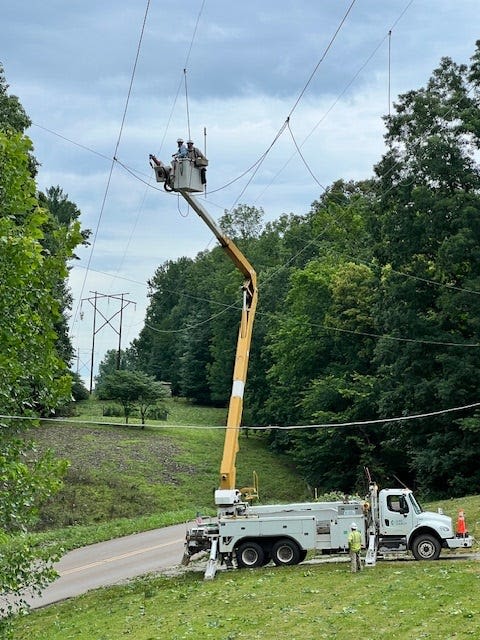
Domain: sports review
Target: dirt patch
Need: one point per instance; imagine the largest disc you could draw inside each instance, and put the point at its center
(122, 449)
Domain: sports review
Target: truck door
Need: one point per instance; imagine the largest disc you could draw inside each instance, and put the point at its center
(396, 516)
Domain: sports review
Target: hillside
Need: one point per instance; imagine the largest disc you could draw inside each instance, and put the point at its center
(170, 467)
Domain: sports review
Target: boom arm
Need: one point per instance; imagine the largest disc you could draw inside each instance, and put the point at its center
(235, 409)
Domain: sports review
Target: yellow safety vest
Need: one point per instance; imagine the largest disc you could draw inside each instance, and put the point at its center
(354, 540)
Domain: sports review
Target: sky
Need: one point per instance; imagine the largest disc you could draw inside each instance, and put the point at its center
(106, 83)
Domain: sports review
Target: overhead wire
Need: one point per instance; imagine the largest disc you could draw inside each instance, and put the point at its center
(115, 158)
(260, 161)
(257, 166)
(119, 137)
(322, 58)
(236, 307)
(286, 124)
(270, 427)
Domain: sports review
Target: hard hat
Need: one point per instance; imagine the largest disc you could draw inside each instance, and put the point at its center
(180, 140)
(189, 141)
(353, 525)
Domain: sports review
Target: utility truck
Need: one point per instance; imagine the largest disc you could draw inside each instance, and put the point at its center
(242, 535)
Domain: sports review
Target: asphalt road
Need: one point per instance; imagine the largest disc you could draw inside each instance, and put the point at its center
(118, 560)
(112, 562)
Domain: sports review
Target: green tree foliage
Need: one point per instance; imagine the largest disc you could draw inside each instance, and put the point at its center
(12, 114)
(242, 223)
(428, 239)
(34, 378)
(114, 360)
(32, 375)
(64, 215)
(133, 390)
(369, 308)
(79, 390)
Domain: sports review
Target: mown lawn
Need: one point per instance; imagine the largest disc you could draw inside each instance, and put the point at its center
(395, 600)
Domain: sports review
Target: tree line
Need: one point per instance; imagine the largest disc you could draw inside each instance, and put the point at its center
(38, 235)
(369, 308)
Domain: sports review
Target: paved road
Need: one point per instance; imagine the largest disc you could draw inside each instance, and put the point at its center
(114, 561)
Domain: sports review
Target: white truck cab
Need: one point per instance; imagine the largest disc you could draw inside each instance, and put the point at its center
(402, 524)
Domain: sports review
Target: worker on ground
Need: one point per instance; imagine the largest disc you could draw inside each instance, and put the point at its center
(354, 547)
(198, 158)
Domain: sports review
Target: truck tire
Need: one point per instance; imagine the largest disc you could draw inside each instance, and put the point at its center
(285, 552)
(426, 547)
(250, 555)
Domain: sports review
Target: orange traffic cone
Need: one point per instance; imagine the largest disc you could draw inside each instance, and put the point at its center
(461, 525)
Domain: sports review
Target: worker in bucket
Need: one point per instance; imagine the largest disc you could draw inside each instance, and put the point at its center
(354, 547)
(168, 172)
(182, 151)
(199, 159)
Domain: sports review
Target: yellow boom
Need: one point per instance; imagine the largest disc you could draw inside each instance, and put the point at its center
(250, 293)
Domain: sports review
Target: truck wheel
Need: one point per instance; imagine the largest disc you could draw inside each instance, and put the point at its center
(426, 547)
(250, 555)
(285, 552)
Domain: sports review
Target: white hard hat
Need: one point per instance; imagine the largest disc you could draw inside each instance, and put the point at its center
(189, 141)
(179, 139)
(353, 525)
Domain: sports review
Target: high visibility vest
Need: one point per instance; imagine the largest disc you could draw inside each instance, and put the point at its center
(354, 540)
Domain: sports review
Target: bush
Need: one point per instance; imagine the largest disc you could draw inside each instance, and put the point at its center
(112, 410)
(158, 413)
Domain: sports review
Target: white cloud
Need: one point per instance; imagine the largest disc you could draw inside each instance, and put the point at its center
(71, 64)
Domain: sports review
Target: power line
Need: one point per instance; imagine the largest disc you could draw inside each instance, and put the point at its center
(102, 208)
(327, 425)
(322, 58)
(93, 301)
(364, 423)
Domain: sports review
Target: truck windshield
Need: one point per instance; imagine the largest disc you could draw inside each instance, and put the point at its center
(416, 507)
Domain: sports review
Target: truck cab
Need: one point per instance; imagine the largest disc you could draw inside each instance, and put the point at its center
(403, 525)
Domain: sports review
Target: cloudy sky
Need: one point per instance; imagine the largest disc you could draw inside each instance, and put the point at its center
(124, 79)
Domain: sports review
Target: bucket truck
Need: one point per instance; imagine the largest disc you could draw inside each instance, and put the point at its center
(242, 535)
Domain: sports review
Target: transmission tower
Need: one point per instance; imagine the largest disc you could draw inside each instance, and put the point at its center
(93, 300)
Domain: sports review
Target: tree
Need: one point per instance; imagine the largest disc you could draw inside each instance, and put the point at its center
(427, 232)
(34, 380)
(12, 114)
(64, 215)
(114, 360)
(133, 390)
(79, 390)
(242, 223)
(27, 481)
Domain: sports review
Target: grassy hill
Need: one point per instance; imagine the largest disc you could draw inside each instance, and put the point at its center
(169, 471)
(124, 479)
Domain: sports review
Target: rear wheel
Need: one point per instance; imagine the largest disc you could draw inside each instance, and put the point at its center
(303, 555)
(426, 547)
(286, 552)
(250, 555)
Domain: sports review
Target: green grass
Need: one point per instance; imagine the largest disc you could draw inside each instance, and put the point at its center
(123, 479)
(163, 475)
(402, 600)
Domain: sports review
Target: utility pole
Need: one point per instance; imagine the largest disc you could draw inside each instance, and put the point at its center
(93, 300)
